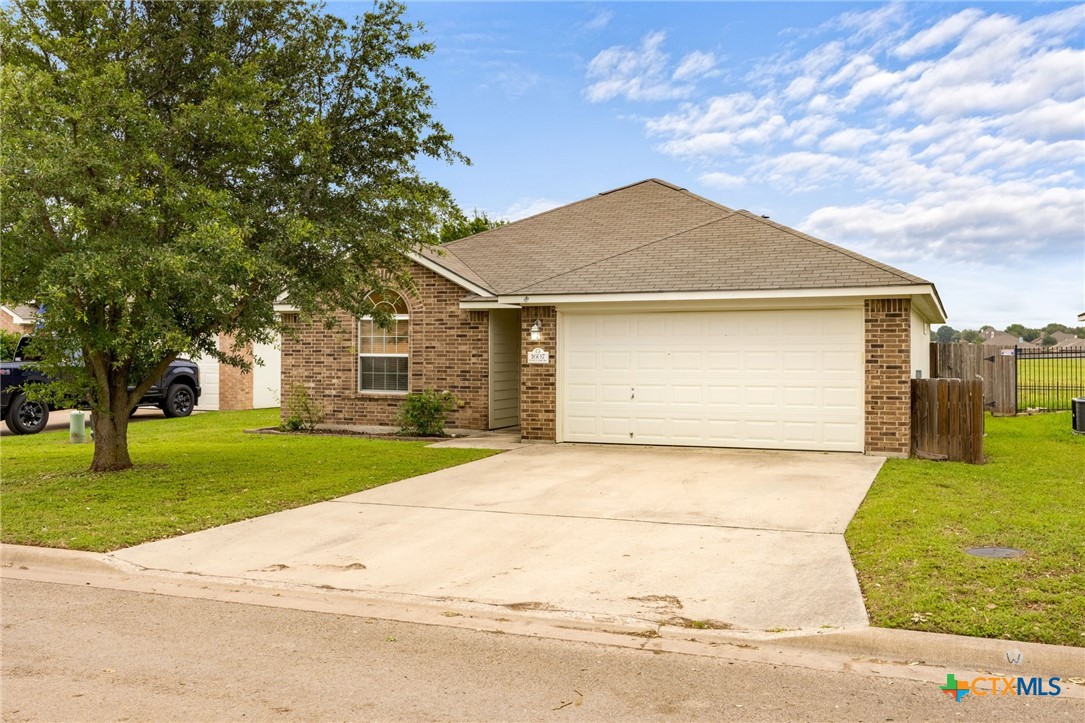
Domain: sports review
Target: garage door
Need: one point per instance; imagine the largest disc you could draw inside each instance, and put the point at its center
(762, 379)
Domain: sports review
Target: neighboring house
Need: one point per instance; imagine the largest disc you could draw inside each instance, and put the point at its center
(1062, 339)
(228, 388)
(20, 319)
(1073, 342)
(643, 315)
(1001, 338)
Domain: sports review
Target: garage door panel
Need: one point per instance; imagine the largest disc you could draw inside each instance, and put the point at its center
(581, 361)
(840, 361)
(800, 361)
(761, 361)
(650, 361)
(761, 396)
(687, 361)
(724, 395)
(687, 394)
(723, 361)
(774, 379)
(842, 397)
(802, 397)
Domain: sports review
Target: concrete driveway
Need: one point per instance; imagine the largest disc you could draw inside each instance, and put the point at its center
(745, 539)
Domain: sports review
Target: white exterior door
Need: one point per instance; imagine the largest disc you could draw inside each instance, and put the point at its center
(763, 379)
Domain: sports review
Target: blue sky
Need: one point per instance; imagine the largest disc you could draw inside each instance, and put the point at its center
(947, 139)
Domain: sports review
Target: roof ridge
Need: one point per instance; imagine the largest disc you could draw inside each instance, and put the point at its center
(729, 213)
(659, 181)
(858, 257)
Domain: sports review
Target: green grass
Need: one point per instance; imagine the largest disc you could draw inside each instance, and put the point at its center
(1049, 383)
(909, 537)
(190, 474)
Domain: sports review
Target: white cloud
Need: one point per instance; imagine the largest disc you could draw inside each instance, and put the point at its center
(642, 73)
(941, 33)
(961, 138)
(724, 181)
(600, 20)
(524, 207)
(634, 73)
(696, 65)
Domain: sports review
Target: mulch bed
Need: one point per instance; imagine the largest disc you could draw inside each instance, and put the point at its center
(391, 436)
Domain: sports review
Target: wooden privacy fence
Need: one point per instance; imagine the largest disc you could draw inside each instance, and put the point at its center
(947, 419)
(995, 365)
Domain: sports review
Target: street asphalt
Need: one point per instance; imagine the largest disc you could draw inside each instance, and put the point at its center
(84, 653)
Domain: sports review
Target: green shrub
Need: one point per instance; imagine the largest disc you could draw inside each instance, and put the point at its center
(303, 413)
(8, 341)
(425, 414)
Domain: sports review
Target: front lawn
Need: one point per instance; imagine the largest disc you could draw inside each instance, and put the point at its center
(909, 538)
(190, 474)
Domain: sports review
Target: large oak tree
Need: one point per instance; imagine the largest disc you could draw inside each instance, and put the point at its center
(171, 169)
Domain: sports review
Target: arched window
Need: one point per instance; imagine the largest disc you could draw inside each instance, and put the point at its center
(383, 353)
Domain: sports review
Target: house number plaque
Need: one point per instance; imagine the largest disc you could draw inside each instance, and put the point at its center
(538, 356)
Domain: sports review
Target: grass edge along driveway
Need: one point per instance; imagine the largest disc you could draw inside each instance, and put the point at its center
(909, 537)
(190, 474)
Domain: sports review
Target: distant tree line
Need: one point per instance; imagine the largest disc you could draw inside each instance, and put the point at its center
(1042, 336)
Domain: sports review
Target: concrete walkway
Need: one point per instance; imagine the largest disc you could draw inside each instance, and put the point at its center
(742, 539)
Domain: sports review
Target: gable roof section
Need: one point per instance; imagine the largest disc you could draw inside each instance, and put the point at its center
(508, 258)
(737, 252)
(653, 236)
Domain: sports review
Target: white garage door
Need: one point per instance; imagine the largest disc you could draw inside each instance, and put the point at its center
(762, 379)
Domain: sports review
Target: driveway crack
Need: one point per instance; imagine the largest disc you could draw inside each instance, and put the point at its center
(590, 517)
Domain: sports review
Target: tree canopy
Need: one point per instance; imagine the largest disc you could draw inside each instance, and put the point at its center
(171, 169)
(460, 225)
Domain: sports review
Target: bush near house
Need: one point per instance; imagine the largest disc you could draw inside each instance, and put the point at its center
(909, 537)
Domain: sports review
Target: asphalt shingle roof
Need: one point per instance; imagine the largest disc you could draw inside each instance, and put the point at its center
(655, 237)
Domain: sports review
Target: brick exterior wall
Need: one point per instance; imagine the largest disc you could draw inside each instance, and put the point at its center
(888, 368)
(449, 350)
(538, 382)
(235, 386)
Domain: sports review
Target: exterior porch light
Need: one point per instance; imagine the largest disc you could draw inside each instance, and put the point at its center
(536, 330)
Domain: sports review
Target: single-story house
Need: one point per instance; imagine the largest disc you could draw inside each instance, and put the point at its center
(1002, 338)
(228, 388)
(643, 315)
(19, 319)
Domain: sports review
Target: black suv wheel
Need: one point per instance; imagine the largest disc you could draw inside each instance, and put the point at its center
(180, 399)
(25, 416)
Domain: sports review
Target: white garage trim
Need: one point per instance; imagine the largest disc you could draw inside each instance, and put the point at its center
(923, 296)
(772, 379)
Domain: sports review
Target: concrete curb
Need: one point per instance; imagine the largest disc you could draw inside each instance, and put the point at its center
(24, 556)
(940, 649)
(871, 646)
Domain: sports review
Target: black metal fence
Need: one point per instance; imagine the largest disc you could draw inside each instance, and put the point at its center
(1048, 378)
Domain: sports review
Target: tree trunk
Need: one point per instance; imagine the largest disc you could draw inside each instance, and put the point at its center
(111, 437)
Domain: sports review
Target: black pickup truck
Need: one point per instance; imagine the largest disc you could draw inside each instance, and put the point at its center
(176, 393)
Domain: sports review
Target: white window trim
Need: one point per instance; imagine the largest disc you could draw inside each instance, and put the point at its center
(407, 356)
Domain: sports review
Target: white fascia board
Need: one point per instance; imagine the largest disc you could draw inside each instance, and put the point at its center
(285, 309)
(453, 277)
(923, 293)
(15, 318)
(487, 304)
